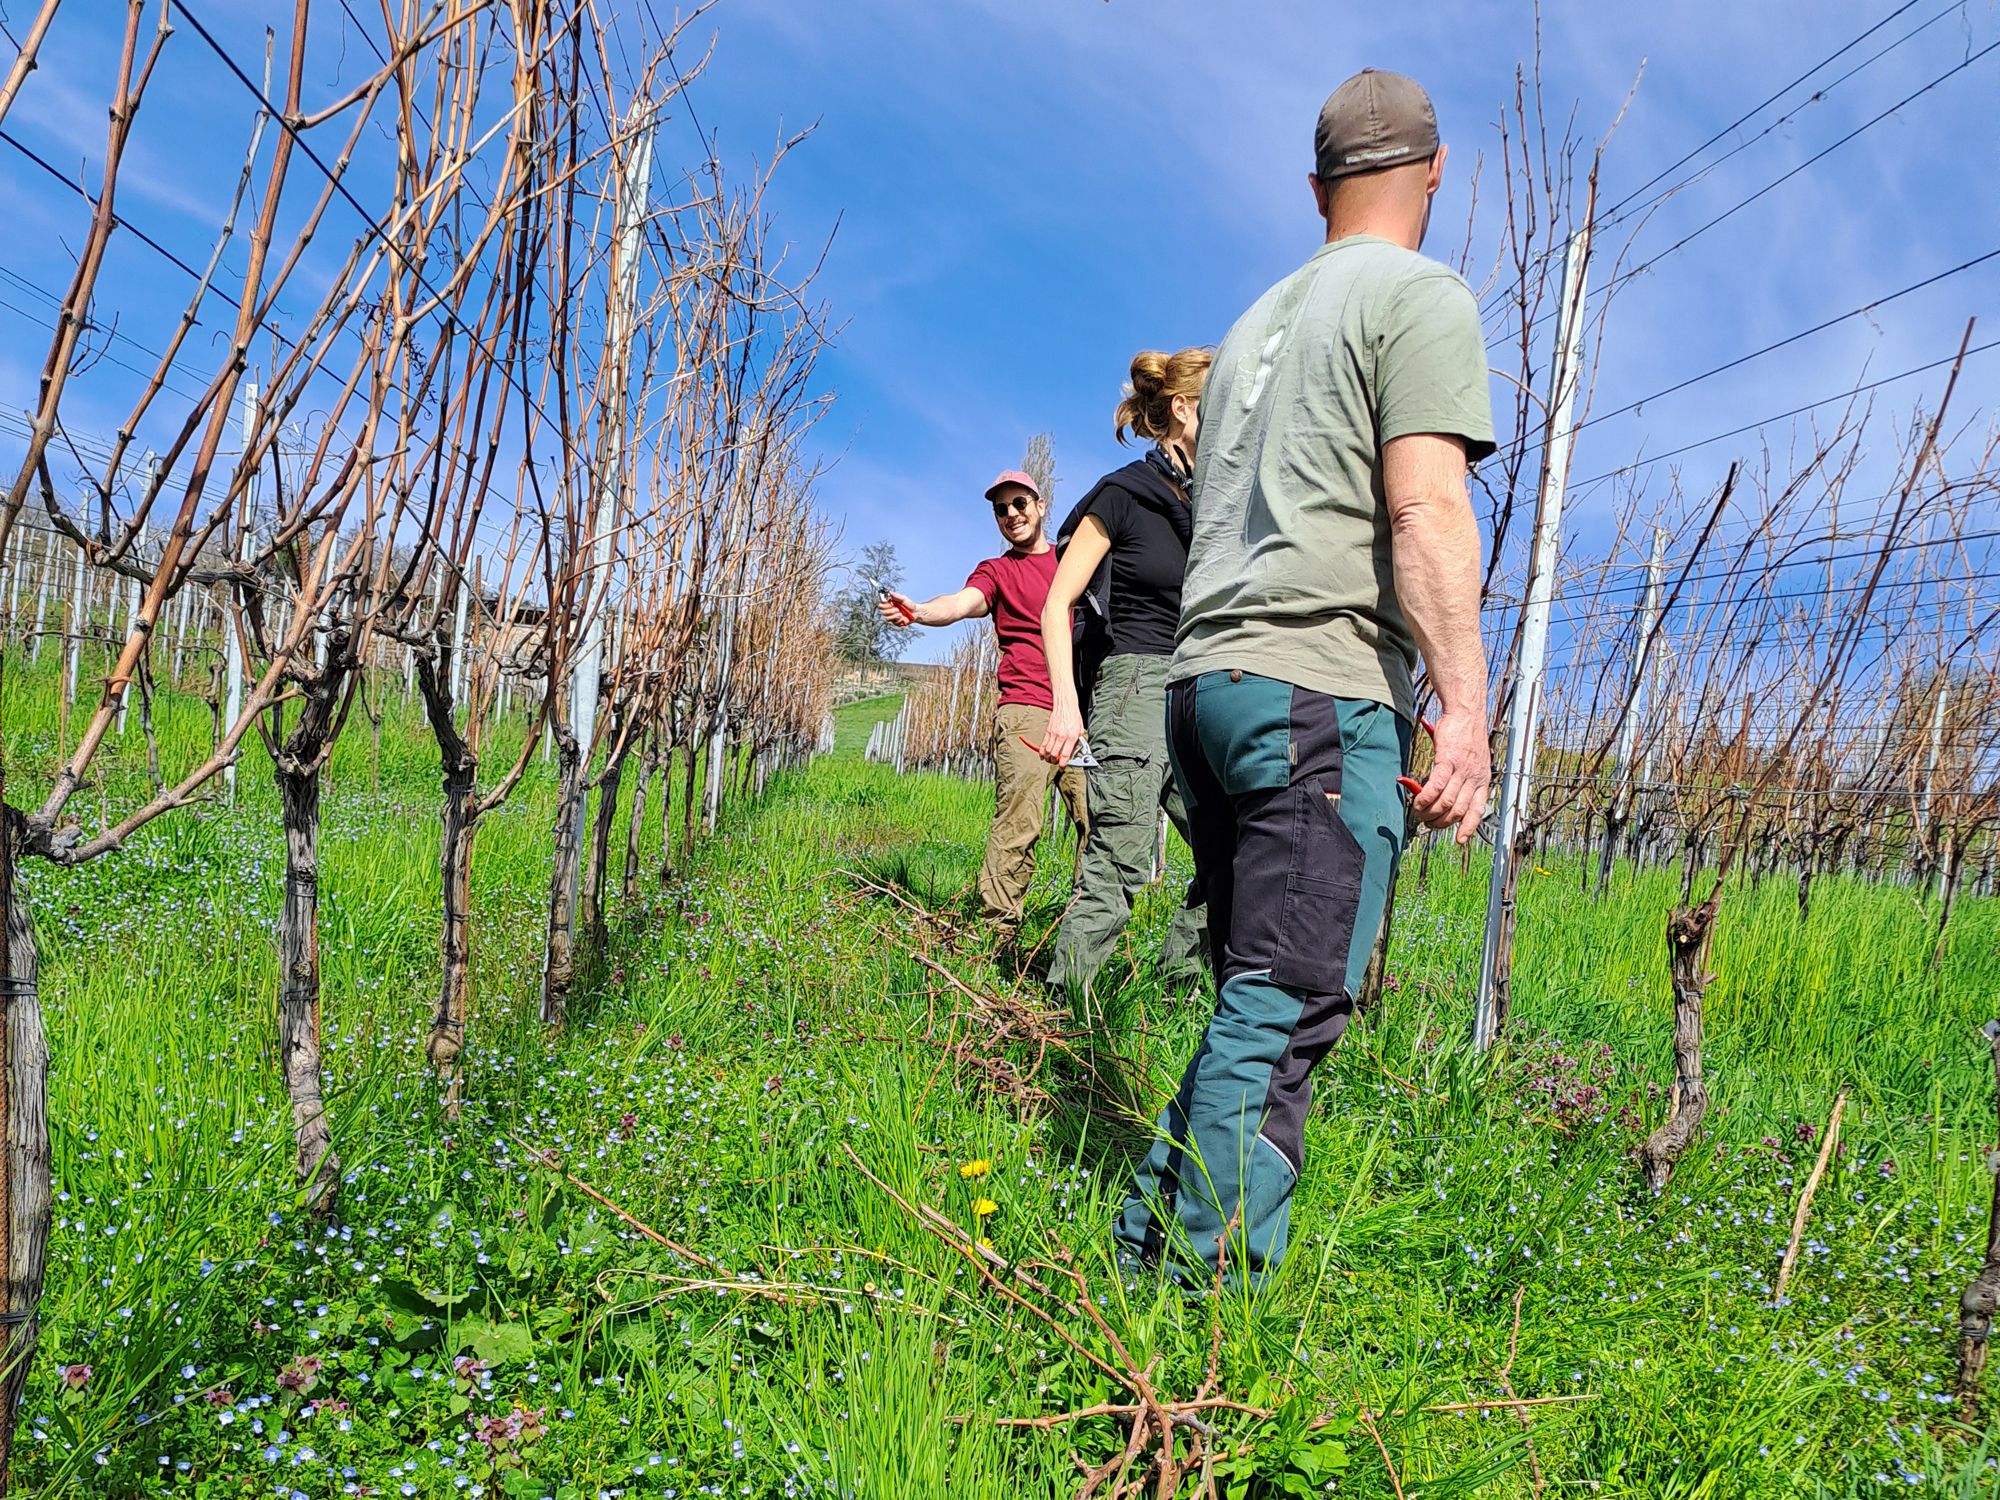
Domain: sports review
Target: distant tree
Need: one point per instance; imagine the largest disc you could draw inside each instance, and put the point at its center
(1039, 464)
(861, 631)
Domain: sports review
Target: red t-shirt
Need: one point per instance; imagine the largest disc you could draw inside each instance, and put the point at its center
(1016, 586)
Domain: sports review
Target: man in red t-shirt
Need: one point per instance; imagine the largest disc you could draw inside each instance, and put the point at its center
(1012, 589)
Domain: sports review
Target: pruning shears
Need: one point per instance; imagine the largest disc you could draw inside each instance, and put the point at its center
(1410, 784)
(882, 595)
(1080, 757)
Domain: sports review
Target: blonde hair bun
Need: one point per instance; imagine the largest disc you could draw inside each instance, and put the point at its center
(1156, 379)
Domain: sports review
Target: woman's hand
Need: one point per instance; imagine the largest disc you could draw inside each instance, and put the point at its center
(1087, 548)
(1065, 729)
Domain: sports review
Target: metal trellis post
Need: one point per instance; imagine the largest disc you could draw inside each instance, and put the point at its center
(1516, 781)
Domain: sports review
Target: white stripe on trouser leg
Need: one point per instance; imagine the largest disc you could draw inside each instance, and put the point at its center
(1264, 1140)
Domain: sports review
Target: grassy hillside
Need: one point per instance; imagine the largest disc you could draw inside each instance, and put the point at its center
(780, 1018)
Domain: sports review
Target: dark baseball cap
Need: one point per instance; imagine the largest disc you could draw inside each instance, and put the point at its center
(1372, 121)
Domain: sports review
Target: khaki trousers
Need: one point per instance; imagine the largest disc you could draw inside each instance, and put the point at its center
(1020, 806)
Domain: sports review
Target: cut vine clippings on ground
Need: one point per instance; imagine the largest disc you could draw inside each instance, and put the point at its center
(979, 1034)
(1168, 1439)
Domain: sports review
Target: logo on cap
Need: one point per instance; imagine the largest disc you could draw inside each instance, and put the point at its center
(1373, 120)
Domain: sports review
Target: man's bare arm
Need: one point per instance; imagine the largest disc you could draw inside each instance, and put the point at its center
(1436, 557)
(946, 609)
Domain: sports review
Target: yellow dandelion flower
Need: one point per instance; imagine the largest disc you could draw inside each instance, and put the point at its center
(976, 1168)
(985, 1207)
(985, 1243)
(1540, 871)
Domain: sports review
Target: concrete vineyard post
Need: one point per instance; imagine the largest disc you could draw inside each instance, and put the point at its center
(633, 182)
(75, 623)
(42, 593)
(458, 637)
(232, 635)
(1517, 772)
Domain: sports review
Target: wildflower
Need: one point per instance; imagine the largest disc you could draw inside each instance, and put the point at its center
(220, 1396)
(977, 1168)
(73, 1377)
(301, 1375)
(627, 1120)
(985, 1243)
(985, 1207)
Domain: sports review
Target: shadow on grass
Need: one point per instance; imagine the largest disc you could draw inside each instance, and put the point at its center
(1110, 1144)
(938, 876)
(1101, 1115)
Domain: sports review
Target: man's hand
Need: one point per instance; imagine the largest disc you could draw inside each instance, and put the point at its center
(898, 609)
(1455, 791)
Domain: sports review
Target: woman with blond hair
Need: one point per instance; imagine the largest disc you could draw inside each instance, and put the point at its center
(1125, 548)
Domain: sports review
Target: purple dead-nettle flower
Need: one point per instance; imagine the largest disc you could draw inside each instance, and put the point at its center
(73, 1377)
(302, 1374)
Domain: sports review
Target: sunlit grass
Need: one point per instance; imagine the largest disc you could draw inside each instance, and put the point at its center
(760, 1018)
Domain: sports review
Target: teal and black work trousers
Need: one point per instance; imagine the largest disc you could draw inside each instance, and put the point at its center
(1296, 823)
(1131, 785)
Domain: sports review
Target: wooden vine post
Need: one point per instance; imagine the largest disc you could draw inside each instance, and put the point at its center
(1976, 1305)
(25, 1185)
(14, 1354)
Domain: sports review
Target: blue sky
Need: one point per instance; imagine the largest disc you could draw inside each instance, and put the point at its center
(1028, 191)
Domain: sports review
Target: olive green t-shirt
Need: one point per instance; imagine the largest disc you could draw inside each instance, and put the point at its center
(1289, 572)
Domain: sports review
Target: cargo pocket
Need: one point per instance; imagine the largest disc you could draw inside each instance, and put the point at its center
(1111, 790)
(1322, 894)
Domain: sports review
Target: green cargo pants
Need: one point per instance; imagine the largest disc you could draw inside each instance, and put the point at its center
(1132, 782)
(1297, 823)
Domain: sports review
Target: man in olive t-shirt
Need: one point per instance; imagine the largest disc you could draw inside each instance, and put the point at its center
(1333, 543)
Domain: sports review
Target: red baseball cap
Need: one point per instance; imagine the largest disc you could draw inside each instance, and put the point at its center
(1013, 476)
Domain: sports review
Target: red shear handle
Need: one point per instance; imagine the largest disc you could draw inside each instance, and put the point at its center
(1410, 783)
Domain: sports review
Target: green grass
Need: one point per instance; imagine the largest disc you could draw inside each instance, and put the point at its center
(761, 1017)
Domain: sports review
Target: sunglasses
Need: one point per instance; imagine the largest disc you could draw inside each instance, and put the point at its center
(1019, 505)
